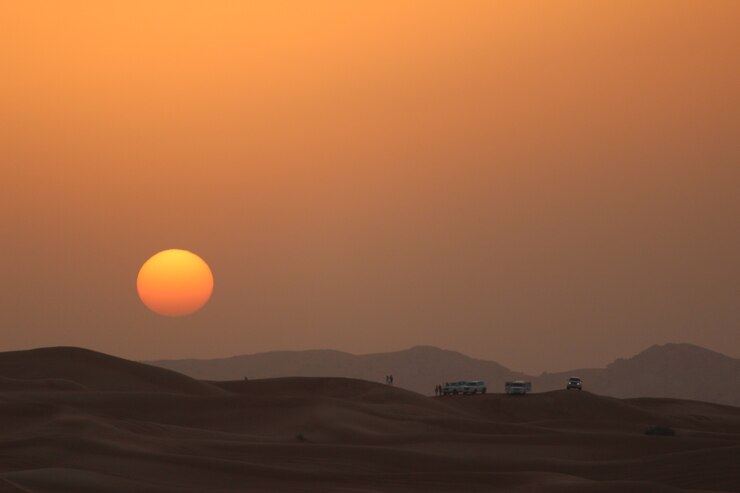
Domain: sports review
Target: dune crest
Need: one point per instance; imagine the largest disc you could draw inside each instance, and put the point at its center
(84, 368)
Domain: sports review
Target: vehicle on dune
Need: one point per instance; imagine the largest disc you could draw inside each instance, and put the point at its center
(464, 387)
(574, 383)
(474, 387)
(518, 387)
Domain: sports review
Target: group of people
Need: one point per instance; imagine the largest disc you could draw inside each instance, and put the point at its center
(389, 379)
(438, 389)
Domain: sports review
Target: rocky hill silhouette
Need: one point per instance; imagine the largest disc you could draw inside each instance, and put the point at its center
(681, 371)
(419, 368)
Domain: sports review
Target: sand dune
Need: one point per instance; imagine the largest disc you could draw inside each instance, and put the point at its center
(95, 371)
(151, 430)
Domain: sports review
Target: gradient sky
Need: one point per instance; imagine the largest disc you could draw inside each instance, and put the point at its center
(547, 184)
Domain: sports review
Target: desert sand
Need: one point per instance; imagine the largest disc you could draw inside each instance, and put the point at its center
(78, 421)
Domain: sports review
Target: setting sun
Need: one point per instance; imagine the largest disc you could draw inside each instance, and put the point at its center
(175, 283)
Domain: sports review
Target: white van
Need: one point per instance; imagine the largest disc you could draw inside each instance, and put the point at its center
(474, 387)
(453, 388)
(465, 387)
(519, 387)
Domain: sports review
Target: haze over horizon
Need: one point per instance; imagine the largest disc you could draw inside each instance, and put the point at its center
(547, 186)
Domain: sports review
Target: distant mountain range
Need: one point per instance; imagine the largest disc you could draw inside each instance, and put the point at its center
(681, 371)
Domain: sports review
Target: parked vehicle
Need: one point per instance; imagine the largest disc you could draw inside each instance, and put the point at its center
(464, 387)
(474, 387)
(518, 387)
(574, 383)
(453, 388)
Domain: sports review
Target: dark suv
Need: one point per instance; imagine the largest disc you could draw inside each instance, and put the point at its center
(574, 383)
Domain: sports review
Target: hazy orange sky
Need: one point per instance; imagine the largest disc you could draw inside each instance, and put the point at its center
(547, 184)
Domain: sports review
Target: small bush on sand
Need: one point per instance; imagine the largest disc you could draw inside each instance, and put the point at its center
(301, 438)
(664, 431)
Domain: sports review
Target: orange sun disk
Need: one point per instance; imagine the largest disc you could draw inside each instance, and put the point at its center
(175, 283)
